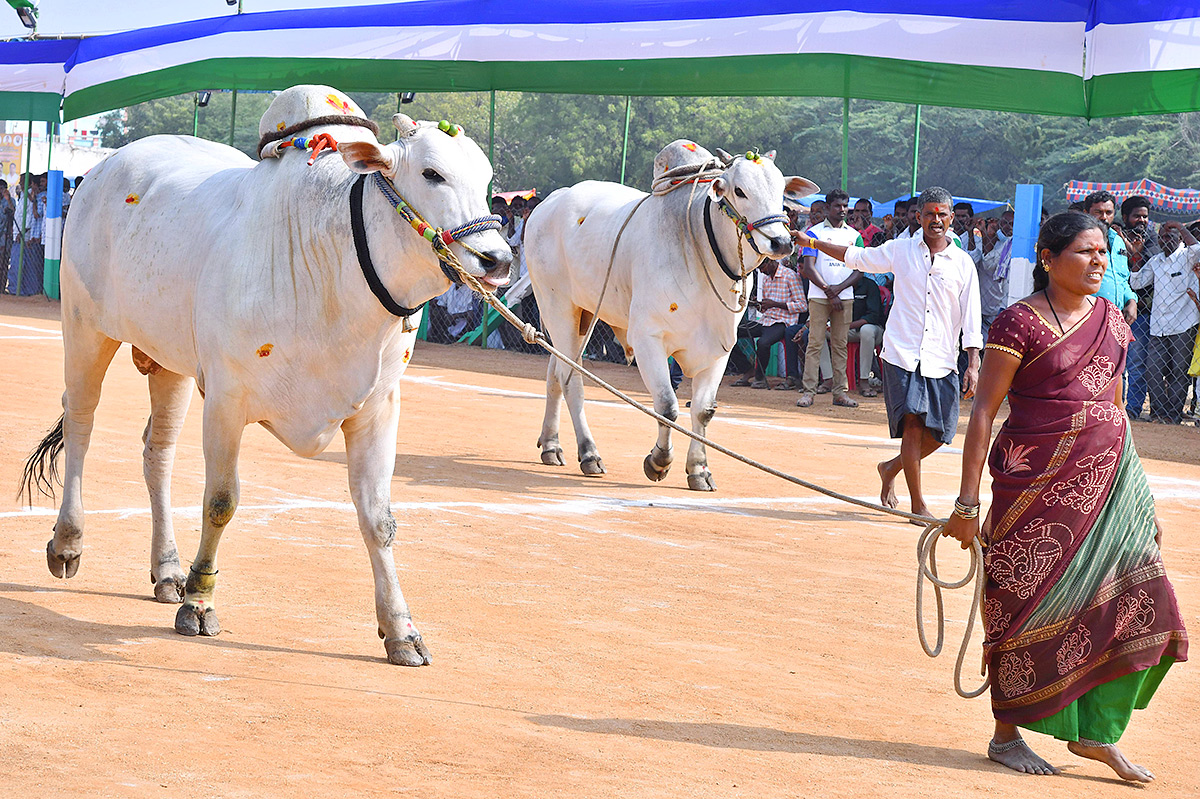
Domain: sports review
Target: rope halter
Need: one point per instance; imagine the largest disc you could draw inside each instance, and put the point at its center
(438, 238)
(747, 227)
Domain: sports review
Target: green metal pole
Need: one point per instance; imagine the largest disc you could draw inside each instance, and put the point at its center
(25, 206)
(846, 144)
(625, 145)
(195, 115)
(916, 149)
(492, 158)
(232, 117)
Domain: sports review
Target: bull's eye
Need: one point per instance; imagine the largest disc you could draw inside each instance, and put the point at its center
(740, 193)
(432, 176)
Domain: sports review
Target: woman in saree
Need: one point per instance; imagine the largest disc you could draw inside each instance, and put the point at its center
(1081, 623)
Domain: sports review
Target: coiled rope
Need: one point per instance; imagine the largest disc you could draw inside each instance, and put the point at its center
(927, 543)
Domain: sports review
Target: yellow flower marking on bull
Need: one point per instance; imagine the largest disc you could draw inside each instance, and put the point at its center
(281, 126)
(265, 350)
(132, 199)
(581, 219)
(674, 307)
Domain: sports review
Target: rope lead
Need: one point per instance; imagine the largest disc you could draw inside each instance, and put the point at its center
(926, 545)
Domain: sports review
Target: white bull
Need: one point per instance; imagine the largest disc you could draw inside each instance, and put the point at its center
(243, 276)
(659, 301)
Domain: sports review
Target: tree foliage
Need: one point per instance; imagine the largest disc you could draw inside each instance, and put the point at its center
(545, 141)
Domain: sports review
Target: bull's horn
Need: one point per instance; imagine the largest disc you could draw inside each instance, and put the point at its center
(725, 157)
(405, 124)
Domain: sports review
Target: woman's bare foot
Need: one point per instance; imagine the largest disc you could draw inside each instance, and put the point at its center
(887, 475)
(1016, 755)
(1111, 756)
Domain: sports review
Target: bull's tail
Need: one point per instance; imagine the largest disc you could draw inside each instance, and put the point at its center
(41, 470)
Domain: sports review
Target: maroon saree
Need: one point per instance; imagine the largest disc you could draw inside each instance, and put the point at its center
(1076, 593)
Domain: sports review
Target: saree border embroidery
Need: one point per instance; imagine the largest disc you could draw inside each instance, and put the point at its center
(1062, 451)
(1042, 694)
(1143, 574)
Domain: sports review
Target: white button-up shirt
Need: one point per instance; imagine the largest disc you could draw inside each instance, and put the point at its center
(1173, 311)
(935, 298)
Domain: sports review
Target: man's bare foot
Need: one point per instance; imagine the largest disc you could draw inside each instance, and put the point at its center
(1017, 755)
(1111, 756)
(887, 496)
(921, 510)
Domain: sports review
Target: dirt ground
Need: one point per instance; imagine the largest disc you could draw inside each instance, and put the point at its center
(604, 637)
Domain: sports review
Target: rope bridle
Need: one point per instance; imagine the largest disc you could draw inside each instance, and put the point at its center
(438, 238)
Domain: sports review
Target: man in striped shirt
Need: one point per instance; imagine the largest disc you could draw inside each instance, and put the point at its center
(780, 306)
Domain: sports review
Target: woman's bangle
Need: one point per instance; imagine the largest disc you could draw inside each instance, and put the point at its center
(966, 511)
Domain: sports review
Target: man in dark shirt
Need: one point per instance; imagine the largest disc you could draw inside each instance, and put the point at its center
(867, 330)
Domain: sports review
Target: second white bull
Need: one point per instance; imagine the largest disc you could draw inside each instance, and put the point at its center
(674, 263)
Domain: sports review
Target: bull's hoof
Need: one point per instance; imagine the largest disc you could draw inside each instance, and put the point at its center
(191, 620)
(553, 457)
(703, 481)
(61, 566)
(407, 651)
(653, 470)
(592, 465)
(169, 590)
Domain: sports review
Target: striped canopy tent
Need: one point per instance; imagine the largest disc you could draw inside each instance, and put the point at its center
(1162, 198)
(32, 74)
(1010, 55)
(1007, 55)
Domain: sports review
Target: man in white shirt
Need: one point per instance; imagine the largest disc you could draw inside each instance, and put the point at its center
(830, 300)
(1173, 320)
(936, 299)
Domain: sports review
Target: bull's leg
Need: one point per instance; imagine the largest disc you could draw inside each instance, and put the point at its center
(561, 379)
(170, 395)
(704, 405)
(370, 461)
(87, 356)
(548, 440)
(652, 363)
(223, 426)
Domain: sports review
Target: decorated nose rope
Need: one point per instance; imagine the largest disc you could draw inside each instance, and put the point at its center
(438, 238)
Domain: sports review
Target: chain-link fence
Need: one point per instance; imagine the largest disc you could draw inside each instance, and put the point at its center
(1163, 361)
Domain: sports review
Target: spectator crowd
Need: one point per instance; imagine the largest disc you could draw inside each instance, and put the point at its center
(23, 231)
(1153, 276)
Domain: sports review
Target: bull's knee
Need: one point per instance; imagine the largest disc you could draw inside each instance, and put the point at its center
(705, 415)
(382, 530)
(669, 409)
(221, 508)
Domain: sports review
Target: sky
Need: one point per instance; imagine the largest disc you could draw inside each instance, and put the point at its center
(91, 17)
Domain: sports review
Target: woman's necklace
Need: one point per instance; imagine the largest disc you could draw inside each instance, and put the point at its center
(1062, 329)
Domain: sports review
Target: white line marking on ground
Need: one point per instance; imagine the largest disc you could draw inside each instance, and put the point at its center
(436, 380)
(51, 330)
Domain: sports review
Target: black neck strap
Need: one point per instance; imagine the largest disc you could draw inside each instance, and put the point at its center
(364, 255)
(712, 242)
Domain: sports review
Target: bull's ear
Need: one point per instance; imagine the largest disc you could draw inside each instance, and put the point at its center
(797, 187)
(405, 125)
(717, 188)
(368, 156)
(725, 157)
(769, 155)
